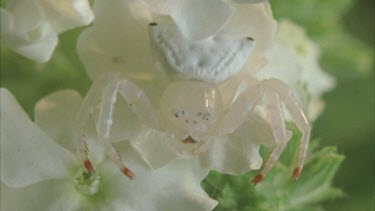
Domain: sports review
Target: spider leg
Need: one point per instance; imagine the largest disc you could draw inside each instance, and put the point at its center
(299, 117)
(274, 109)
(108, 101)
(104, 92)
(238, 112)
(92, 99)
(115, 157)
(274, 92)
(88, 107)
(105, 121)
(84, 155)
(133, 95)
(139, 103)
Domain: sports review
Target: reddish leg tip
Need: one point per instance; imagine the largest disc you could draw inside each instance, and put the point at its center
(88, 166)
(296, 173)
(127, 172)
(257, 179)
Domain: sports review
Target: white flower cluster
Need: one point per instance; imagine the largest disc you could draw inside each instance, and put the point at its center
(203, 84)
(31, 27)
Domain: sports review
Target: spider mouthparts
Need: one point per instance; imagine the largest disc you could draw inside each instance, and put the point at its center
(88, 166)
(257, 179)
(296, 173)
(189, 140)
(127, 172)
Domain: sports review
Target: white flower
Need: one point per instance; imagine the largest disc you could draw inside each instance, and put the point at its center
(195, 18)
(294, 59)
(39, 169)
(31, 27)
(120, 38)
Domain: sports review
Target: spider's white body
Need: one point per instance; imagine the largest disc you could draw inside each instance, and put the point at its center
(195, 112)
(213, 59)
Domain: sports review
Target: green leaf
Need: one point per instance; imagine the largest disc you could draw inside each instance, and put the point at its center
(343, 53)
(3, 3)
(29, 81)
(278, 191)
(323, 20)
(317, 16)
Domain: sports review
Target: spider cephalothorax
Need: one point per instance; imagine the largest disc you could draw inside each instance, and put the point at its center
(196, 113)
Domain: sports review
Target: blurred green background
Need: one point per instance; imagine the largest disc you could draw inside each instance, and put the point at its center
(344, 29)
(348, 121)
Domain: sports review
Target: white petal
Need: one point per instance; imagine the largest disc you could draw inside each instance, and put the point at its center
(196, 19)
(249, 1)
(282, 64)
(40, 51)
(173, 187)
(28, 155)
(118, 41)
(294, 38)
(164, 7)
(199, 19)
(238, 153)
(28, 15)
(294, 59)
(154, 147)
(43, 196)
(256, 21)
(7, 26)
(67, 14)
(25, 33)
(55, 115)
(30, 27)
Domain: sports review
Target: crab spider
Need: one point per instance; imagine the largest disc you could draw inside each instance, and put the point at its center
(193, 112)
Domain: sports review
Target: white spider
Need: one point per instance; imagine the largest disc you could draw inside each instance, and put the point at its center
(195, 111)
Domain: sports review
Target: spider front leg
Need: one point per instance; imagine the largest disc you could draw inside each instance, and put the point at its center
(88, 107)
(104, 93)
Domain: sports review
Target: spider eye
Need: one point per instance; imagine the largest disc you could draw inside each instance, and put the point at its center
(205, 115)
(178, 113)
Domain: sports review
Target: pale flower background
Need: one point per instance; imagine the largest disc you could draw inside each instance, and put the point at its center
(31, 27)
(346, 122)
(40, 166)
(294, 59)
